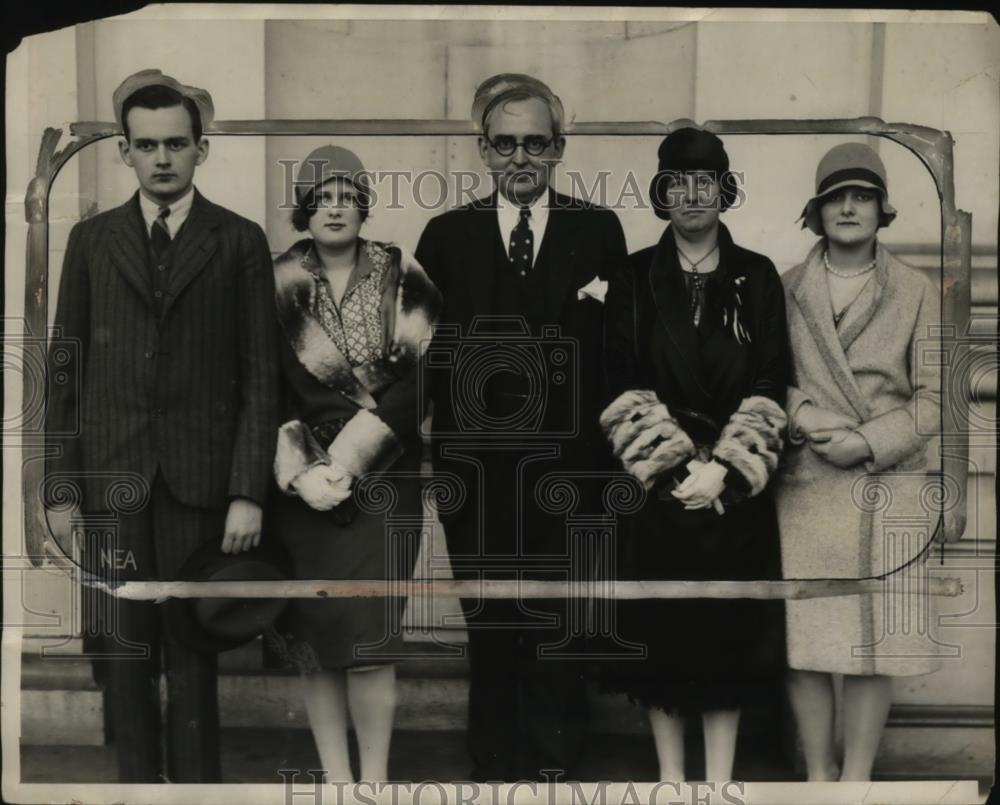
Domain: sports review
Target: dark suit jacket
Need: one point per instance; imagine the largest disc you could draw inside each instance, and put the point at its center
(461, 250)
(190, 389)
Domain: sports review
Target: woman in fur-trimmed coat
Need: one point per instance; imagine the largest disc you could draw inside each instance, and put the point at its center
(697, 361)
(357, 316)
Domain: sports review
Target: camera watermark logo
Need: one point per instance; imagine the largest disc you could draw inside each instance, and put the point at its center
(502, 382)
(970, 364)
(45, 368)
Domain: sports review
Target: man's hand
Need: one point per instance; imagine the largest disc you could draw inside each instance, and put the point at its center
(324, 486)
(810, 418)
(243, 522)
(841, 447)
(703, 486)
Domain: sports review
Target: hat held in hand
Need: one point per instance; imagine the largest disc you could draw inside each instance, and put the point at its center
(221, 624)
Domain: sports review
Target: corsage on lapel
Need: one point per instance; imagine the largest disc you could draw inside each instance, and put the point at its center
(750, 443)
(644, 436)
(733, 316)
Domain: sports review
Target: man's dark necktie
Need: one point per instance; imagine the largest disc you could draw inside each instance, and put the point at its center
(159, 236)
(522, 244)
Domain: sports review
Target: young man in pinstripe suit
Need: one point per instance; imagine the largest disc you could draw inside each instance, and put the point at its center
(171, 394)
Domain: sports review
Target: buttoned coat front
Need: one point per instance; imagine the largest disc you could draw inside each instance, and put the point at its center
(186, 383)
(880, 367)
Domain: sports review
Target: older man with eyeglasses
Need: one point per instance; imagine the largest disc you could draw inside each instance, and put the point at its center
(520, 335)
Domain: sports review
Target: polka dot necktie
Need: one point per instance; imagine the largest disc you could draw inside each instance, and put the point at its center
(522, 244)
(159, 236)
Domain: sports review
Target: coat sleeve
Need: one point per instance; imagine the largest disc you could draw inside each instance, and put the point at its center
(751, 442)
(621, 359)
(642, 433)
(374, 438)
(615, 257)
(67, 357)
(430, 254)
(297, 449)
(795, 398)
(901, 432)
(258, 420)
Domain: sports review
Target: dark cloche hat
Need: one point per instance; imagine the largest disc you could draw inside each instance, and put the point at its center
(688, 150)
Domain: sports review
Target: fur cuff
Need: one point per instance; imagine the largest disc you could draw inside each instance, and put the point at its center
(751, 441)
(297, 452)
(366, 444)
(644, 435)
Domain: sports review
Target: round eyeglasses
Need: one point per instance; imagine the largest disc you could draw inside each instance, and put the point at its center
(534, 145)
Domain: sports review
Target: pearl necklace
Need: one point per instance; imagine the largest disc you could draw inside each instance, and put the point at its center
(850, 274)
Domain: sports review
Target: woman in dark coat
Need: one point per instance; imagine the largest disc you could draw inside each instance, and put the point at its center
(697, 362)
(356, 316)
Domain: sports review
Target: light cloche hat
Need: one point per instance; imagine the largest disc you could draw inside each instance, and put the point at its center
(848, 165)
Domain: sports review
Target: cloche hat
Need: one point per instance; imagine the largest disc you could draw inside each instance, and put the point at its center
(848, 165)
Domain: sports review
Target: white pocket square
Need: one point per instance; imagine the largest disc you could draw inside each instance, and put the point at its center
(595, 289)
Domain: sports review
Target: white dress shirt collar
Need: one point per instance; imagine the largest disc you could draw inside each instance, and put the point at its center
(179, 211)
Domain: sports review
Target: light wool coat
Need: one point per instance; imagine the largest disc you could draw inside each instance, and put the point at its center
(877, 367)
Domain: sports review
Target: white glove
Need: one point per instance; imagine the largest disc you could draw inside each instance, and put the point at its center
(324, 486)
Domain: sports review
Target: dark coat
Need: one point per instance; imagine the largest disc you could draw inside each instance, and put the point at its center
(188, 387)
(366, 418)
(463, 254)
(723, 386)
(652, 295)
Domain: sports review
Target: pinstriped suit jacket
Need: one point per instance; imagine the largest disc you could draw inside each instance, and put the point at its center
(190, 389)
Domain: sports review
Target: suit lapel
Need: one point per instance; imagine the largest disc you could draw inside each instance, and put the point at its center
(197, 243)
(557, 255)
(813, 298)
(129, 247)
(670, 296)
(483, 244)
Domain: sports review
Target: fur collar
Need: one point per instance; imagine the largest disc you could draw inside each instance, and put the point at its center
(410, 306)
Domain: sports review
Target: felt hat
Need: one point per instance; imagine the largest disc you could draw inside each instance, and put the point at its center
(848, 165)
(330, 162)
(221, 624)
(689, 150)
(155, 78)
(498, 88)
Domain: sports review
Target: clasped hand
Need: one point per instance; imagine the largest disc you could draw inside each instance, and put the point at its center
(324, 486)
(703, 486)
(841, 447)
(832, 436)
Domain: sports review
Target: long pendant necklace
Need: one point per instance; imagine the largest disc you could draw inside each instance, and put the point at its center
(697, 281)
